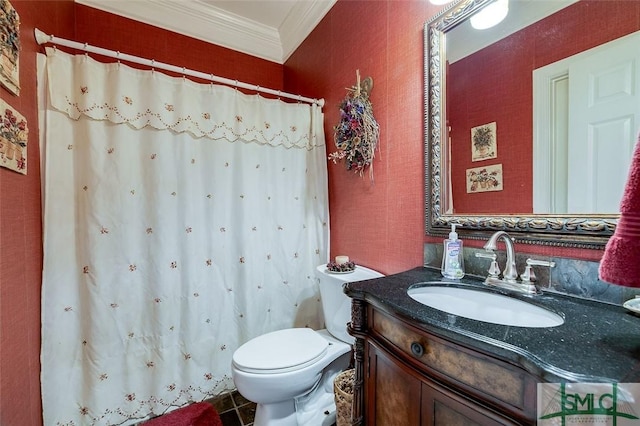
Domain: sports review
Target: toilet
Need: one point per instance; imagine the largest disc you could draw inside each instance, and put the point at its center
(289, 373)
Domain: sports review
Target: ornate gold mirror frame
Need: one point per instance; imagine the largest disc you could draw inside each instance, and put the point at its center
(576, 231)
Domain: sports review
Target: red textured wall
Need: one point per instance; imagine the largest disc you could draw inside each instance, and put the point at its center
(125, 35)
(20, 208)
(482, 90)
(21, 232)
(380, 225)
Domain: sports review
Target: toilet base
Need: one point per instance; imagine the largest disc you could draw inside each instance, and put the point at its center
(281, 413)
(316, 408)
(284, 414)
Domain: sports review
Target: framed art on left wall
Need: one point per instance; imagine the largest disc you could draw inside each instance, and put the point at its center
(9, 47)
(13, 139)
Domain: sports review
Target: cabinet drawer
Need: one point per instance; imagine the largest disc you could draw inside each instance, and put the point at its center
(479, 375)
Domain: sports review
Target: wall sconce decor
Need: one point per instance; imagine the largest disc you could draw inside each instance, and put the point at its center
(356, 135)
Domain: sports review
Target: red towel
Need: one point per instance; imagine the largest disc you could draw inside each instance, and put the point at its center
(198, 414)
(620, 263)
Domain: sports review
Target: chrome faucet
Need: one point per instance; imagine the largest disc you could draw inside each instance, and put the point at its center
(510, 274)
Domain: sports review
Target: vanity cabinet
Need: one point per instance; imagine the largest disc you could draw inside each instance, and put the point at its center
(406, 375)
(396, 395)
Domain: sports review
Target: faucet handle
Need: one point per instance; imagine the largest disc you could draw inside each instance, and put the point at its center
(528, 275)
(494, 270)
(536, 262)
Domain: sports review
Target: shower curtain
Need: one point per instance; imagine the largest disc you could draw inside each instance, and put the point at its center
(180, 220)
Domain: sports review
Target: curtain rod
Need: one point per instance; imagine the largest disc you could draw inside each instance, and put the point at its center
(42, 38)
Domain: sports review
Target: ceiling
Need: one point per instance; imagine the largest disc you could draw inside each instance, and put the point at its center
(268, 29)
(463, 40)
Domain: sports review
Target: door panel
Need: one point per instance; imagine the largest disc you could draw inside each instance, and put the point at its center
(587, 118)
(604, 110)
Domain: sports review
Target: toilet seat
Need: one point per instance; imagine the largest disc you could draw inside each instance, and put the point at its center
(280, 351)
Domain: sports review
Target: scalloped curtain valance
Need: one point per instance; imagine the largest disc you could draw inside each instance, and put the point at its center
(147, 98)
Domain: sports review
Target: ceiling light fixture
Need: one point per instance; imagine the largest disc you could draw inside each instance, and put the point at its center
(491, 15)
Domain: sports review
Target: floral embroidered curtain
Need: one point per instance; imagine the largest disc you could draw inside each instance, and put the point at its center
(180, 220)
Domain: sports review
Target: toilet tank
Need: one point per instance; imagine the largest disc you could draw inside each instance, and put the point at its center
(336, 305)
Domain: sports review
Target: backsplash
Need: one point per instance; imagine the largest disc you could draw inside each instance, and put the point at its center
(578, 278)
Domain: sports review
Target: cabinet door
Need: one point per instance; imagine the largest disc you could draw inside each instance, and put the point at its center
(392, 391)
(397, 395)
(441, 407)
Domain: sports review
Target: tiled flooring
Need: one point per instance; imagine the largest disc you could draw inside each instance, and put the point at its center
(234, 409)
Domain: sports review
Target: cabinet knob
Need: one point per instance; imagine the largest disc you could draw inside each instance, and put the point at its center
(417, 349)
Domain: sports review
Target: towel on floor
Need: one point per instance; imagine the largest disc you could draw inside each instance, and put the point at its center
(197, 414)
(620, 263)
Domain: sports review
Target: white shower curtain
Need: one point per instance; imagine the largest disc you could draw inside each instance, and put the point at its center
(180, 220)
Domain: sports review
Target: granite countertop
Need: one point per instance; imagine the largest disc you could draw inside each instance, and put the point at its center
(598, 342)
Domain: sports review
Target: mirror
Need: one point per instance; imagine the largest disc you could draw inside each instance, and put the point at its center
(499, 113)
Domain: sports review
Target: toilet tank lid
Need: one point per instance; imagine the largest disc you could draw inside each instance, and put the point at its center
(279, 350)
(360, 273)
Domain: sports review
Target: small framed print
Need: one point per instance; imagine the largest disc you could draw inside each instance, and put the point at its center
(484, 144)
(483, 179)
(9, 47)
(13, 139)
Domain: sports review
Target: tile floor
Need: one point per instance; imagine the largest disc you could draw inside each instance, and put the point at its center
(234, 409)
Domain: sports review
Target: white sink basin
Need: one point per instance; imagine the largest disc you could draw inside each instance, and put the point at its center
(485, 306)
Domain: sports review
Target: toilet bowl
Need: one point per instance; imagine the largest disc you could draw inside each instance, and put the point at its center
(289, 373)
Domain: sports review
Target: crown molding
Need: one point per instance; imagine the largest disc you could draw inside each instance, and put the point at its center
(302, 19)
(215, 25)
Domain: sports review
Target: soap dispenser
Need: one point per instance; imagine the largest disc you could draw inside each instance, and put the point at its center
(453, 259)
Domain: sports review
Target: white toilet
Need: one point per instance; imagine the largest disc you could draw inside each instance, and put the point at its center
(289, 373)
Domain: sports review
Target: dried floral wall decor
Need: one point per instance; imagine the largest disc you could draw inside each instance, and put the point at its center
(356, 135)
(9, 47)
(484, 143)
(13, 139)
(483, 179)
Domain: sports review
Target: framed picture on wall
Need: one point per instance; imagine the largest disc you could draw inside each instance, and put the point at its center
(9, 47)
(483, 179)
(13, 139)
(484, 144)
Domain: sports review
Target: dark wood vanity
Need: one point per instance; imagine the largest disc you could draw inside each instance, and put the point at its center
(413, 377)
(416, 365)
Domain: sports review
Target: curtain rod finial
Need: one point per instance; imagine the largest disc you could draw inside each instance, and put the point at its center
(41, 38)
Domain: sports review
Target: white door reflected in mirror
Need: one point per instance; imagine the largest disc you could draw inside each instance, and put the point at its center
(587, 108)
